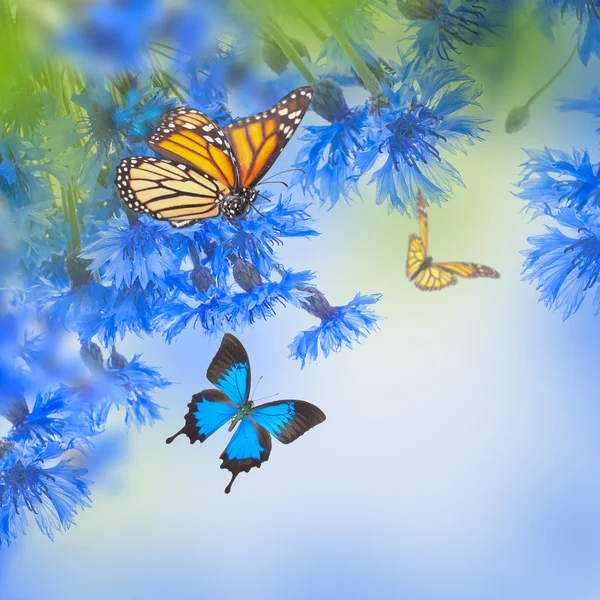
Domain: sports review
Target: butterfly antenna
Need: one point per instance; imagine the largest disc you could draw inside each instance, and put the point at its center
(258, 211)
(256, 387)
(266, 397)
(281, 173)
(270, 182)
(265, 197)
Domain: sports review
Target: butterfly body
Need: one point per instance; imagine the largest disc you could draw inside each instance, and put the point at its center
(428, 275)
(208, 171)
(253, 425)
(241, 414)
(237, 204)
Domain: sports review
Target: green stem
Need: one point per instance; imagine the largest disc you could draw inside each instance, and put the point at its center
(547, 85)
(73, 220)
(317, 31)
(277, 35)
(369, 80)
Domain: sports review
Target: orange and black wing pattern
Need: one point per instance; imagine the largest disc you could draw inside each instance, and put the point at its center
(168, 191)
(431, 276)
(188, 136)
(257, 141)
(468, 270)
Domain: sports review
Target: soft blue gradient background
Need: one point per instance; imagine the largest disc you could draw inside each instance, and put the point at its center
(460, 458)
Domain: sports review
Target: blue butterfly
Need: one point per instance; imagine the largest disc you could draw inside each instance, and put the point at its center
(250, 445)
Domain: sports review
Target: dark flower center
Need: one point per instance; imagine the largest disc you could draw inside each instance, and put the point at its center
(414, 136)
(586, 258)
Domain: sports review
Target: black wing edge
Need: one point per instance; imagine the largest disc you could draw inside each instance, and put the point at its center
(230, 351)
(190, 429)
(306, 417)
(238, 466)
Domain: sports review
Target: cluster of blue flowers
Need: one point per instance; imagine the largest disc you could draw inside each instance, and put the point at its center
(564, 188)
(80, 271)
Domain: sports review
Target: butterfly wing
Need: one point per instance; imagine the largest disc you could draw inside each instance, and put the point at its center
(208, 410)
(229, 370)
(287, 420)
(188, 136)
(434, 278)
(416, 256)
(422, 216)
(249, 447)
(258, 141)
(168, 191)
(469, 270)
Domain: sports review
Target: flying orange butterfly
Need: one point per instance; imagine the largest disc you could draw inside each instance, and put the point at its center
(428, 275)
(208, 171)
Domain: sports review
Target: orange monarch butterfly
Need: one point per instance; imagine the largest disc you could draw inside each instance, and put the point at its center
(209, 171)
(428, 275)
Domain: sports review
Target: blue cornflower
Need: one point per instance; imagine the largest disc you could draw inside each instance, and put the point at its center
(587, 13)
(128, 254)
(566, 265)
(254, 236)
(203, 309)
(415, 132)
(31, 481)
(326, 160)
(442, 25)
(553, 179)
(259, 299)
(340, 325)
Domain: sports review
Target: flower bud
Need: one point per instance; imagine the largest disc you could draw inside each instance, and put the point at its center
(416, 9)
(328, 100)
(246, 275)
(117, 361)
(14, 409)
(77, 270)
(517, 119)
(91, 355)
(317, 304)
(202, 278)
(5, 447)
(274, 57)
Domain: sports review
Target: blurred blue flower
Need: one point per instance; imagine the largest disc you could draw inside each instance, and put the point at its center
(357, 19)
(441, 26)
(415, 132)
(587, 12)
(116, 383)
(552, 179)
(114, 35)
(340, 325)
(119, 127)
(590, 105)
(566, 265)
(52, 494)
(22, 179)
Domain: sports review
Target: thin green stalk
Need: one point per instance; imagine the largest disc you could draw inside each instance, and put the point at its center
(369, 80)
(73, 219)
(549, 83)
(278, 36)
(317, 31)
